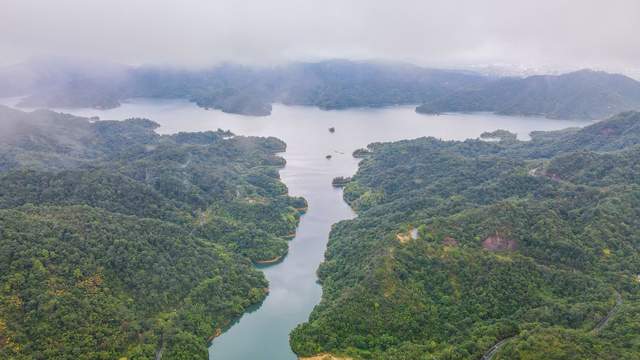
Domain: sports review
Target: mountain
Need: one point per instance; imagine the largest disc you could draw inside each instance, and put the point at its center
(582, 94)
(335, 84)
(342, 84)
(504, 249)
(118, 242)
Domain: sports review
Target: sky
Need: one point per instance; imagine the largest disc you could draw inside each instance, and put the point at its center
(544, 34)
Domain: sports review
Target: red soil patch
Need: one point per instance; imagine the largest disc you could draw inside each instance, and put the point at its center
(217, 333)
(499, 243)
(449, 241)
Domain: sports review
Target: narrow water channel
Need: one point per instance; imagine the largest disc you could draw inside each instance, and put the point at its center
(264, 333)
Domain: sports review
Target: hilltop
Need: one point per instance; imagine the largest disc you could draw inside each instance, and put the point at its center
(462, 249)
(120, 242)
(584, 94)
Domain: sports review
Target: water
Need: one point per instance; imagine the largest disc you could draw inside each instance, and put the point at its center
(264, 333)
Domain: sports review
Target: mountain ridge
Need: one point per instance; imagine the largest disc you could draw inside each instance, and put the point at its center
(330, 84)
(583, 94)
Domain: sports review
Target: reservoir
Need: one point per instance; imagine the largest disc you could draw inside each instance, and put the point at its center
(264, 332)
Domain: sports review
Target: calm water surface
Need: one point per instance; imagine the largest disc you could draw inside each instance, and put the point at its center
(264, 333)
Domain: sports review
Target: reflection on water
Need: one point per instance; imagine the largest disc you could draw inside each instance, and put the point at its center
(264, 332)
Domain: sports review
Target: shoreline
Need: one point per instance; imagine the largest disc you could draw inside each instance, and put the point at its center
(270, 261)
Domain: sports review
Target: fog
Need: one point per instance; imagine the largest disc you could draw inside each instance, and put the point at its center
(543, 34)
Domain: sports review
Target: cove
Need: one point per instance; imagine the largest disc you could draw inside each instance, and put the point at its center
(294, 291)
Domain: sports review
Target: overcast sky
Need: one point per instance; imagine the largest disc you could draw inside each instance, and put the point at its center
(555, 34)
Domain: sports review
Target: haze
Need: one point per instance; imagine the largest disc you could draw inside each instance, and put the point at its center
(549, 34)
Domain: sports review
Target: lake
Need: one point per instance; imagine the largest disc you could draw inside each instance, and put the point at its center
(264, 333)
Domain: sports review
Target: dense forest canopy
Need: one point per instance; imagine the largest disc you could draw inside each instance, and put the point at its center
(119, 242)
(459, 246)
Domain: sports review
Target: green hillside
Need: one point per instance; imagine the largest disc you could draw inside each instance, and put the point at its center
(459, 245)
(119, 242)
(583, 94)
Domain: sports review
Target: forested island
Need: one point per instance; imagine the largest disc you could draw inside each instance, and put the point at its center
(523, 250)
(117, 242)
(498, 135)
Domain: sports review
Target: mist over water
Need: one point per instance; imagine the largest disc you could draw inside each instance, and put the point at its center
(294, 291)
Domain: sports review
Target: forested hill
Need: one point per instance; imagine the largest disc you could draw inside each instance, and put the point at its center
(459, 246)
(117, 242)
(334, 84)
(582, 94)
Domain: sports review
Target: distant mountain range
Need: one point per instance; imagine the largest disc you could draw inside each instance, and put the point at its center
(583, 94)
(232, 88)
(335, 84)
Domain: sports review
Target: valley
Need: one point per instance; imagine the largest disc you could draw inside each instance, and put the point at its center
(293, 291)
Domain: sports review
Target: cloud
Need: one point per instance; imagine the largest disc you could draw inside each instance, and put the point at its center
(549, 33)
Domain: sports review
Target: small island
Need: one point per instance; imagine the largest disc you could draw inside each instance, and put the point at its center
(498, 135)
(340, 181)
(300, 204)
(361, 153)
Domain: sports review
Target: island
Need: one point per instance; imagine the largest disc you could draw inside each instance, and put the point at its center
(340, 181)
(361, 153)
(498, 135)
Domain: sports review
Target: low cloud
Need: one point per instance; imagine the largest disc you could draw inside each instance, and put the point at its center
(553, 34)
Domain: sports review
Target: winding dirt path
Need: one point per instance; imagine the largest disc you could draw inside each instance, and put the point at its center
(494, 349)
(605, 321)
(160, 348)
